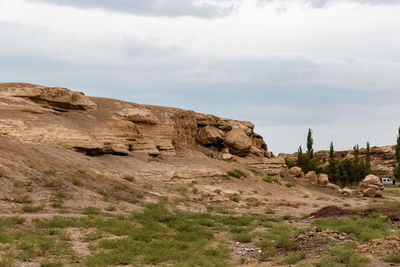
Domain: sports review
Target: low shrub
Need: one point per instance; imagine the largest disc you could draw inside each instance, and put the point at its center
(290, 185)
(31, 209)
(77, 182)
(91, 211)
(237, 173)
(235, 198)
(195, 191)
(129, 178)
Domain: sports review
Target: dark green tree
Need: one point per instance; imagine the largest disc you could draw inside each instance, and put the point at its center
(368, 157)
(356, 150)
(299, 151)
(310, 143)
(332, 165)
(307, 162)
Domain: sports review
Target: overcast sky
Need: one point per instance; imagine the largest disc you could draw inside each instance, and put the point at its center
(333, 66)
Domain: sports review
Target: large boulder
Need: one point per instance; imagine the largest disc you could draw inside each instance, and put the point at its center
(209, 136)
(296, 171)
(333, 186)
(369, 192)
(323, 179)
(311, 176)
(238, 142)
(371, 186)
(347, 191)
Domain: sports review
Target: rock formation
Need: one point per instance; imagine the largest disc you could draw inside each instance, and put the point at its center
(323, 179)
(58, 116)
(311, 177)
(371, 186)
(296, 172)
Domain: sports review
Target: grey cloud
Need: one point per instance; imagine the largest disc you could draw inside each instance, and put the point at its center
(325, 3)
(173, 8)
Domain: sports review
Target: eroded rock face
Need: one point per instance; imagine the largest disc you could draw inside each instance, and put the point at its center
(105, 126)
(55, 97)
(208, 136)
(238, 142)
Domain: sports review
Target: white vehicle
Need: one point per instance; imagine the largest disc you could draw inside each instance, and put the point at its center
(388, 181)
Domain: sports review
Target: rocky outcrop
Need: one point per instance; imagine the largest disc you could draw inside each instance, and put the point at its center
(54, 97)
(323, 179)
(347, 191)
(371, 186)
(311, 177)
(269, 166)
(208, 136)
(238, 142)
(296, 172)
(105, 126)
(333, 186)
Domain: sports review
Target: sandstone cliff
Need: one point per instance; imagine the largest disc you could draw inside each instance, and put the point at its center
(57, 116)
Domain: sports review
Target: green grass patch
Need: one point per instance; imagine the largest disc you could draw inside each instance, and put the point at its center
(256, 172)
(237, 173)
(343, 256)
(51, 263)
(293, 258)
(393, 258)
(270, 179)
(363, 229)
(279, 237)
(244, 237)
(32, 209)
(91, 211)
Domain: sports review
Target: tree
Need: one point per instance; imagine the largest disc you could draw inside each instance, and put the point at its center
(310, 143)
(307, 162)
(332, 165)
(356, 150)
(368, 157)
(331, 152)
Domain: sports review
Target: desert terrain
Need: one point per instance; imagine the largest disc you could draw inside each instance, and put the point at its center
(88, 181)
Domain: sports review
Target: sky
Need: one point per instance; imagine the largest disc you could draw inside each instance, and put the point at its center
(329, 65)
